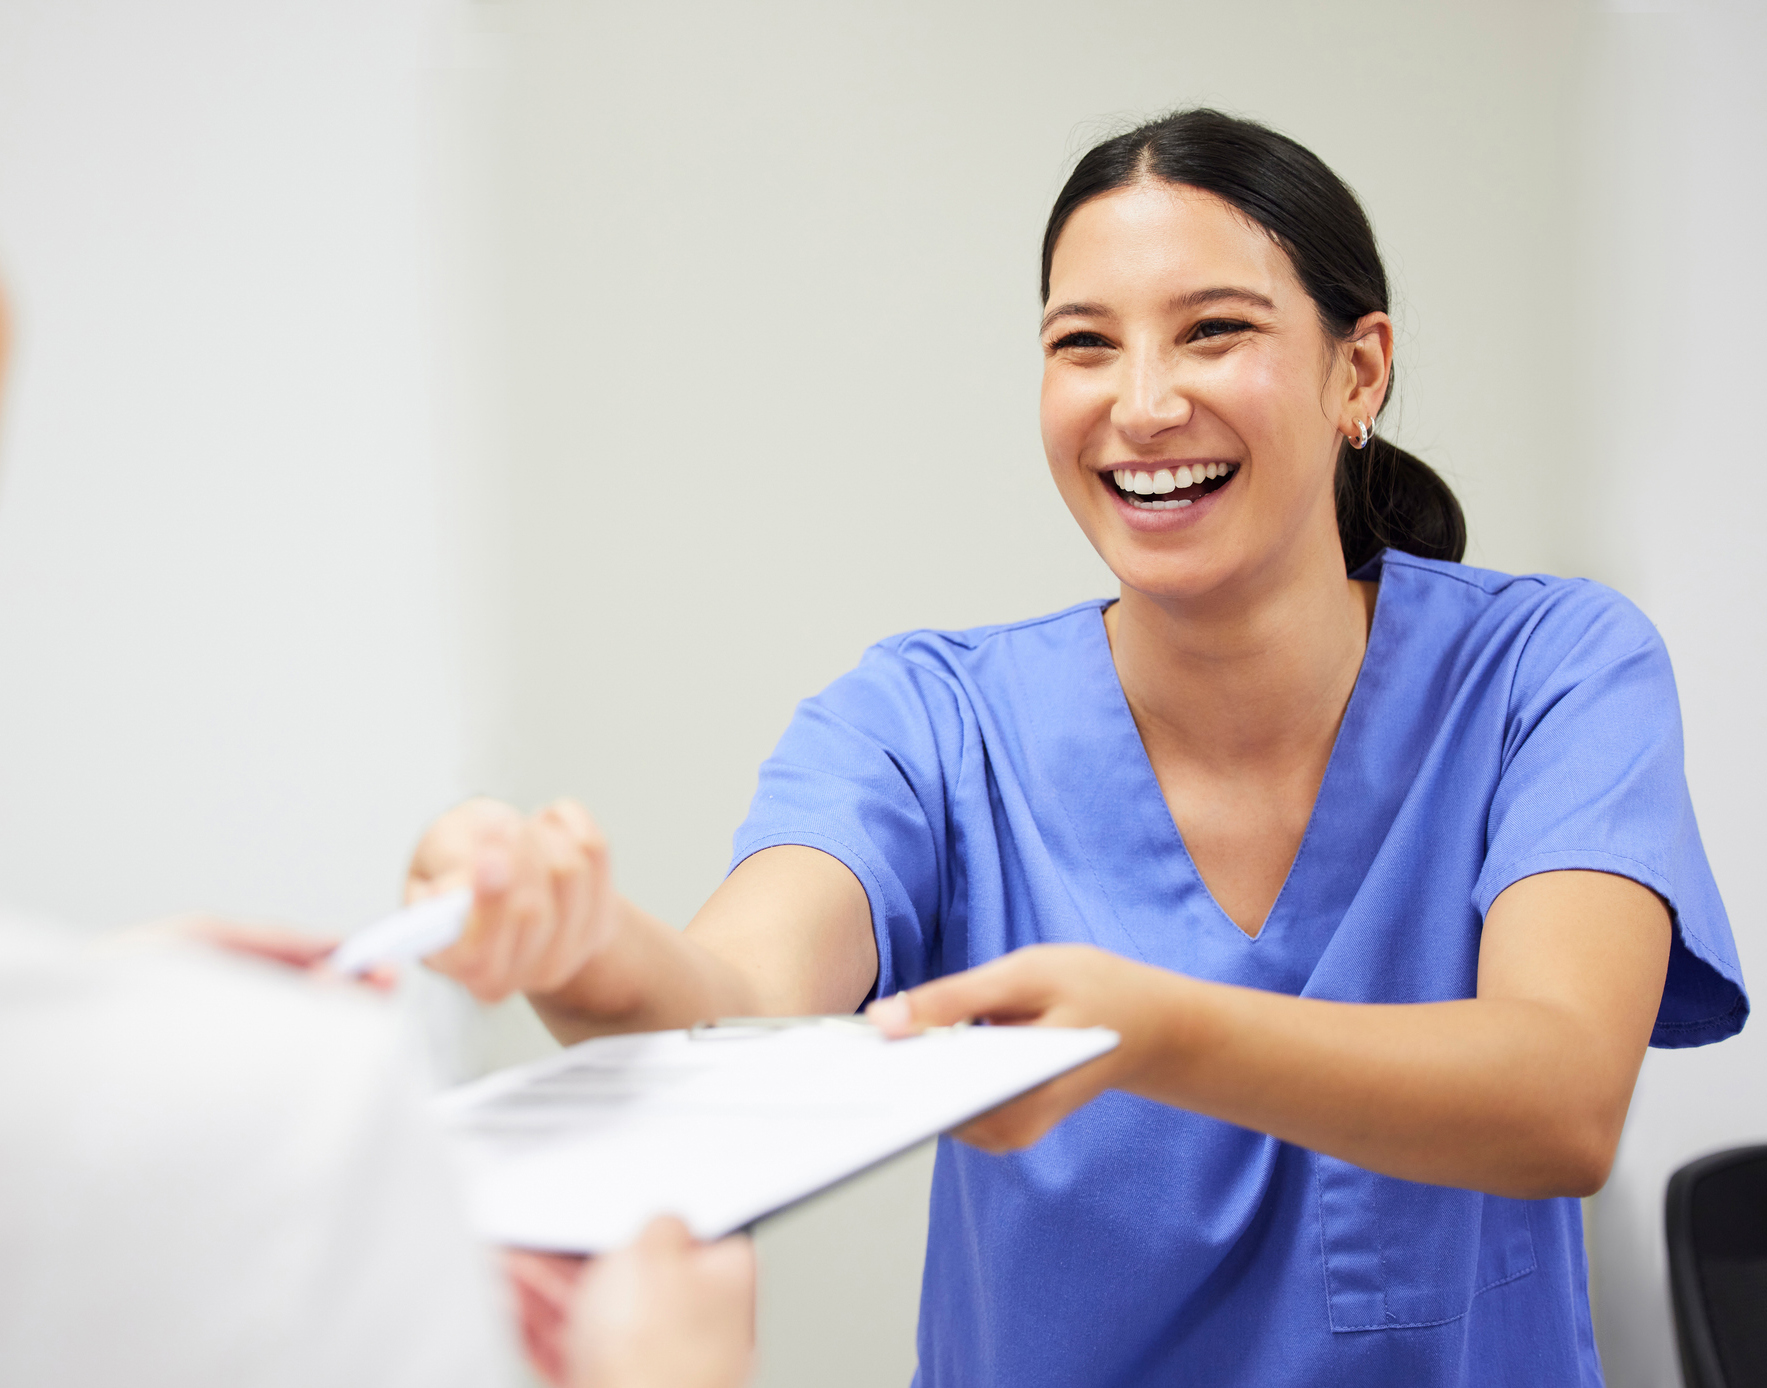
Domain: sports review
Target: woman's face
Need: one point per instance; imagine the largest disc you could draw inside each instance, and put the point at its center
(1191, 398)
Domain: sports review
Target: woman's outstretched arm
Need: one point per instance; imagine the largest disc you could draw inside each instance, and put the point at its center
(789, 931)
(1521, 1091)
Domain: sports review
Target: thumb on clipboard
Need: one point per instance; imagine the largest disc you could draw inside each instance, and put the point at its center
(1040, 985)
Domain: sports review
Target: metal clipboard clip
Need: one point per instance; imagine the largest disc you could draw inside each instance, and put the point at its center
(746, 1028)
(743, 1028)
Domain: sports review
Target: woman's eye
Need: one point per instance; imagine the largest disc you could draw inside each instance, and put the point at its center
(1078, 339)
(1218, 327)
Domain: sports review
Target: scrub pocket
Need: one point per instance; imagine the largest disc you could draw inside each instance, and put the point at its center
(1399, 1254)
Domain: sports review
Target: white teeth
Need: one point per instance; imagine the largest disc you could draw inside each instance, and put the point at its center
(1170, 504)
(1164, 480)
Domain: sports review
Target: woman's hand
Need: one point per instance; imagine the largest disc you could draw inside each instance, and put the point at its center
(788, 932)
(665, 1313)
(543, 897)
(1051, 986)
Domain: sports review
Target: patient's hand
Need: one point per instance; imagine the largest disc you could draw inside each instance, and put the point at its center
(280, 944)
(665, 1313)
(544, 1284)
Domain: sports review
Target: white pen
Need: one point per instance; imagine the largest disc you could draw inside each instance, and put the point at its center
(418, 931)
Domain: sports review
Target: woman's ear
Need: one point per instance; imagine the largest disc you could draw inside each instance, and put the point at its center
(1368, 355)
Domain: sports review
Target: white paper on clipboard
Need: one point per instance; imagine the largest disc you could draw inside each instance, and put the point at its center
(577, 1152)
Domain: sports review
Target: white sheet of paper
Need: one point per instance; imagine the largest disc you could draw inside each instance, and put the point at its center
(577, 1152)
(406, 936)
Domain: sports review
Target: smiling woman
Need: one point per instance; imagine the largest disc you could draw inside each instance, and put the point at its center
(1383, 867)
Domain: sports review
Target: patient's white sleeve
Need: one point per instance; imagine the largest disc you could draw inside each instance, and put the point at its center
(216, 1175)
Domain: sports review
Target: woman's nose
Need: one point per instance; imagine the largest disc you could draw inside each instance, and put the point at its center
(1150, 402)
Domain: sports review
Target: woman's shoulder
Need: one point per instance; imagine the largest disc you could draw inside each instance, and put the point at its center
(1540, 617)
(1052, 632)
(945, 675)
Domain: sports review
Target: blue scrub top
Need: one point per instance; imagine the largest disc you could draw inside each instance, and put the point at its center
(990, 790)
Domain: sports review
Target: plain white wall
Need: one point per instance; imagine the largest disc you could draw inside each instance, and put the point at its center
(233, 677)
(247, 471)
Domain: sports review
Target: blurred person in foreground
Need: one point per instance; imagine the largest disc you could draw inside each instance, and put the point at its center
(220, 1173)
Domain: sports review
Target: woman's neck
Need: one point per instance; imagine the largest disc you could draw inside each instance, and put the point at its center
(1252, 678)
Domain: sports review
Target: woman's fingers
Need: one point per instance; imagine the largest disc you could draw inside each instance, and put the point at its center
(1026, 1119)
(444, 857)
(525, 907)
(527, 916)
(494, 868)
(542, 897)
(1014, 989)
(576, 823)
(560, 912)
(468, 847)
(581, 898)
(1041, 985)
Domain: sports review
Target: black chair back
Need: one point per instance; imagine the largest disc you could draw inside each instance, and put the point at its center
(1717, 1225)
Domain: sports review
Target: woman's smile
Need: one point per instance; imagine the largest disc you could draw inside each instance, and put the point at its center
(1150, 489)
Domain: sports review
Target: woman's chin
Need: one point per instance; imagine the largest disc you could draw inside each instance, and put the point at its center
(1175, 578)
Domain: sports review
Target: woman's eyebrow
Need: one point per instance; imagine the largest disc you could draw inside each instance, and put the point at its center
(1076, 310)
(1197, 298)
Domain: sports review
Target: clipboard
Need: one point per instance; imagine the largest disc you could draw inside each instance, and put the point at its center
(722, 1124)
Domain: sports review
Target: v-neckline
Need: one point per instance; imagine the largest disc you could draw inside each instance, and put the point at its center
(1150, 781)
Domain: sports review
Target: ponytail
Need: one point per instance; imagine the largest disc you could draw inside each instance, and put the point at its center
(1388, 498)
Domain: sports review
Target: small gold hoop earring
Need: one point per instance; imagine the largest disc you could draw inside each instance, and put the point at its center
(1361, 429)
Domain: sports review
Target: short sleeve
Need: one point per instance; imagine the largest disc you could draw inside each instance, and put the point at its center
(1592, 778)
(863, 774)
